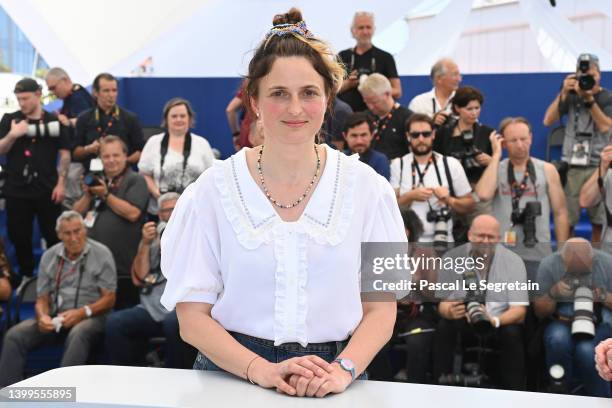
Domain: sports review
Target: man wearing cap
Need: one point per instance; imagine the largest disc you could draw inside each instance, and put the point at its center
(32, 139)
(76, 100)
(588, 107)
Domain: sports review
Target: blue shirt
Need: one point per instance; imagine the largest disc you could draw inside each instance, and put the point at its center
(376, 160)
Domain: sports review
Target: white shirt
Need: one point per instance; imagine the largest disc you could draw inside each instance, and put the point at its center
(427, 103)
(200, 158)
(430, 179)
(284, 281)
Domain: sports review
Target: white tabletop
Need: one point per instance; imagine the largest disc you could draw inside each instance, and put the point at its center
(157, 387)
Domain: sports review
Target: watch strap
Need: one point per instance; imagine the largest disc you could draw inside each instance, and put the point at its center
(351, 370)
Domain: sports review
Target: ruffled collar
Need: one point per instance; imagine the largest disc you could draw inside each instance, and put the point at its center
(327, 215)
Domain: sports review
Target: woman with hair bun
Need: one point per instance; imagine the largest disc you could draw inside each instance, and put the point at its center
(262, 253)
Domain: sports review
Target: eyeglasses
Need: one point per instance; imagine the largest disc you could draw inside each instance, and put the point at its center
(415, 135)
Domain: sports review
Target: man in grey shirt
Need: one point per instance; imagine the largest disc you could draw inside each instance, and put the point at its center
(128, 329)
(75, 288)
(598, 191)
(560, 275)
(503, 308)
(114, 209)
(588, 107)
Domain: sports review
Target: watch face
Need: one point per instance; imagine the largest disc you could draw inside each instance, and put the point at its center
(347, 364)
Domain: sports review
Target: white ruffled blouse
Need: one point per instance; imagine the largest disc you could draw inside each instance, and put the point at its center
(284, 281)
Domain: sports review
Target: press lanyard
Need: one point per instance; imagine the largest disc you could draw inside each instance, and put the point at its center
(382, 123)
(59, 277)
(104, 131)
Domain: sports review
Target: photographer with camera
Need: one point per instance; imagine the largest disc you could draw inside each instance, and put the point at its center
(365, 59)
(113, 204)
(172, 160)
(575, 294)
(128, 329)
(75, 289)
(598, 191)
(436, 103)
(463, 137)
(588, 107)
(524, 191)
(433, 185)
(106, 118)
(389, 116)
(477, 312)
(32, 139)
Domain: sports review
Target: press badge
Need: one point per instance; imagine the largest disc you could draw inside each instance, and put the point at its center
(510, 238)
(90, 218)
(581, 150)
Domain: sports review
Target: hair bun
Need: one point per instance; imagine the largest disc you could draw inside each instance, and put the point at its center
(293, 16)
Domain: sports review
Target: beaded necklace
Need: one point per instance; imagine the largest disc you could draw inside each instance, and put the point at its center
(299, 200)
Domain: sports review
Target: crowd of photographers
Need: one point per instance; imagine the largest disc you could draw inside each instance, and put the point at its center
(102, 196)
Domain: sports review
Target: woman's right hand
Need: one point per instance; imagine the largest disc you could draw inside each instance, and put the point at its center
(277, 375)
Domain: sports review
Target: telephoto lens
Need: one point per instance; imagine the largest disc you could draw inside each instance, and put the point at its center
(478, 317)
(583, 327)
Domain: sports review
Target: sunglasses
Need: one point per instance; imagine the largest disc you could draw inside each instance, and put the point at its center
(415, 135)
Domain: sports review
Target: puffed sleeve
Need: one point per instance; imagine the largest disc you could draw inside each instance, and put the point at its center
(385, 223)
(189, 250)
(395, 168)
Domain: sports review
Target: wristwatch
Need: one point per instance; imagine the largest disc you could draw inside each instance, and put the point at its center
(347, 365)
(88, 311)
(589, 104)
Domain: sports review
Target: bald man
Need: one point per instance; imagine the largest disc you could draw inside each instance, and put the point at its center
(505, 309)
(445, 77)
(576, 260)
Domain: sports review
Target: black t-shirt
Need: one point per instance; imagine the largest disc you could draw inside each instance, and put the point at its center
(94, 123)
(389, 132)
(77, 102)
(373, 60)
(448, 145)
(31, 164)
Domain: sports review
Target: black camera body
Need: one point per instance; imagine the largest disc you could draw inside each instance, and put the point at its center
(586, 81)
(467, 156)
(363, 71)
(440, 219)
(474, 299)
(527, 218)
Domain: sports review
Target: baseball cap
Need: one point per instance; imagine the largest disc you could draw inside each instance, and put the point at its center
(592, 58)
(26, 85)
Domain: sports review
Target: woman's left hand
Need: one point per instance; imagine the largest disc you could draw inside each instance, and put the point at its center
(333, 382)
(483, 159)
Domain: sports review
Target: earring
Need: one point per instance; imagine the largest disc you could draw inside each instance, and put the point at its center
(257, 114)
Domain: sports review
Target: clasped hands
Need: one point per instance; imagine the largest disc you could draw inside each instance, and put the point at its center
(309, 376)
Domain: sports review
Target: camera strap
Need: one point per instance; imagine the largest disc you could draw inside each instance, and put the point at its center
(518, 189)
(372, 61)
(59, 277)
(163, 151)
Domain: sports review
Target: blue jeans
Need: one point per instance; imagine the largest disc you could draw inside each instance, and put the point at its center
(128, 330)
(576, 357)
(276, 354)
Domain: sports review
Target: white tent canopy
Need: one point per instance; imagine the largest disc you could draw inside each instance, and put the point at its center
(213, 38)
